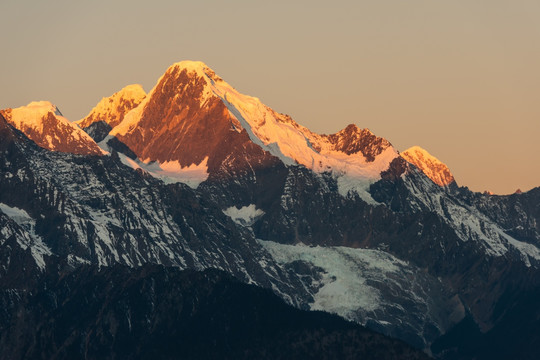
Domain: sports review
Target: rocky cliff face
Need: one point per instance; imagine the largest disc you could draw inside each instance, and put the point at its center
(178, 115)
(353, 140)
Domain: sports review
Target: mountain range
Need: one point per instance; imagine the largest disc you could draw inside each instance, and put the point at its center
(195, 175)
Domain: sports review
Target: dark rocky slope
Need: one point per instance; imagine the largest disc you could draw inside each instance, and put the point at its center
(164, 313)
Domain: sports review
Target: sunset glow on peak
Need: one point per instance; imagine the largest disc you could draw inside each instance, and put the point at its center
(435, 169)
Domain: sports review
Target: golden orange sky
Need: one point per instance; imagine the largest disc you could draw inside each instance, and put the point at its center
(459, 78)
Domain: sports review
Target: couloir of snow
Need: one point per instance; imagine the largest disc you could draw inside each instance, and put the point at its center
(31, 117)
(245, 216)
(434, 169)
(29, 238)
(279, 135)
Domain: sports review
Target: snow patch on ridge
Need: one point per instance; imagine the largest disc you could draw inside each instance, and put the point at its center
(169, 172)
(172, 172)
(528, 251)
(366, 286)
(344, 287)
(20, 216)
(245, 215)
(357, 174)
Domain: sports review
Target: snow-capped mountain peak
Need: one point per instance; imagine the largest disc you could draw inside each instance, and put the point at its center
(435, 169)
(182, 79)
(31, 115)
(190, 101)
(43, 123)
(198, 67)
(112, 109)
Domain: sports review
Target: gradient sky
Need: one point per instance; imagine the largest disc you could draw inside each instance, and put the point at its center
(460, 78)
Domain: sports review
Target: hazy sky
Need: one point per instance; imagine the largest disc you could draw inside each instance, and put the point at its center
(460, 78)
